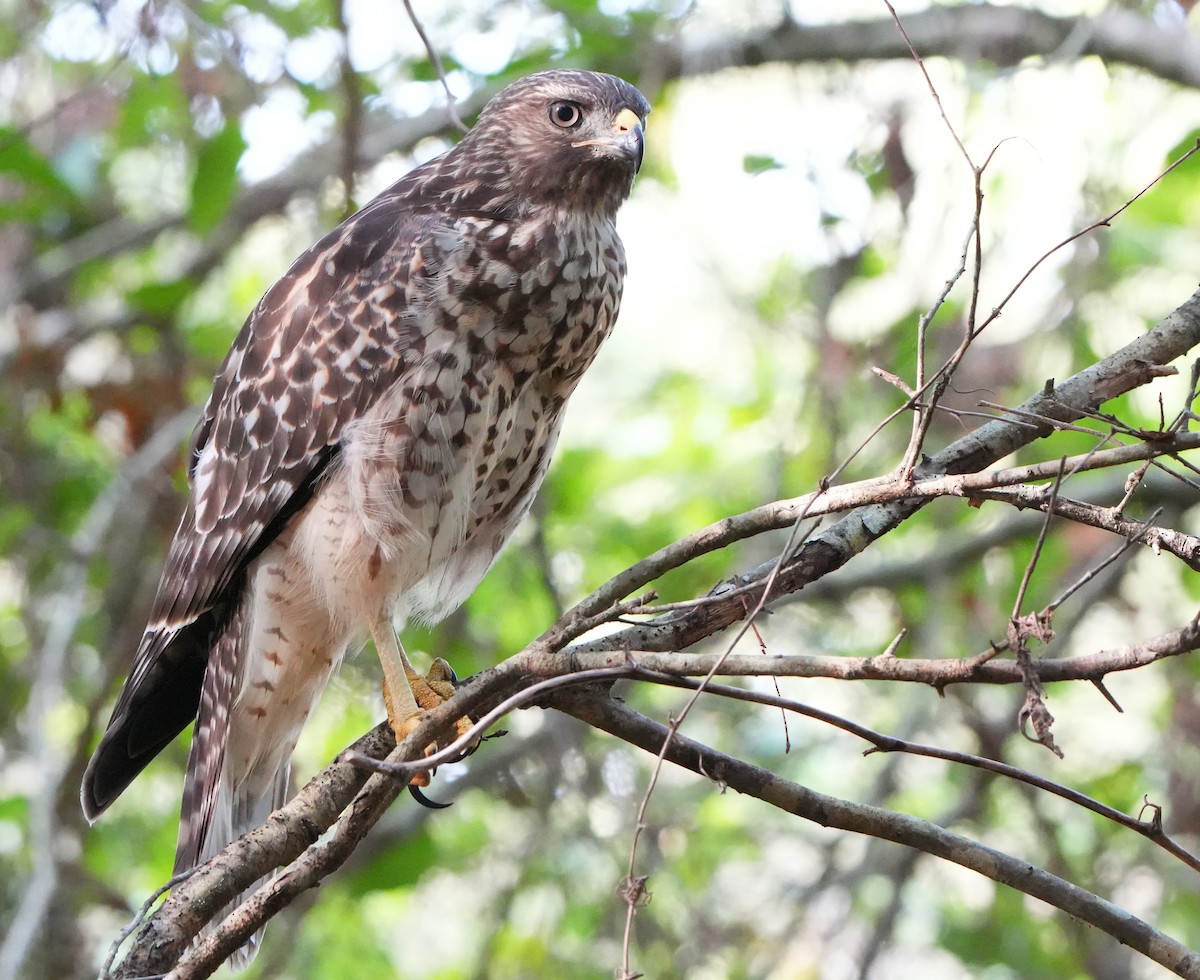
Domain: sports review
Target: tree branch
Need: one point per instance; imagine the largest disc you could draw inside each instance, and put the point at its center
(1137, 363)
(291, 830)
(600, 711)
(978, 32)
(286, 835)
(982, 668)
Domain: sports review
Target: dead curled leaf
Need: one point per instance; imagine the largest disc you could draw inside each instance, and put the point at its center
(1034, 711)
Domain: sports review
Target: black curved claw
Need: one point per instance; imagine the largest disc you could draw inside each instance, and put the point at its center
(425, 801)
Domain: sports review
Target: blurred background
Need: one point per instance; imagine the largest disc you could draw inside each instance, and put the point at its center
(802, 204)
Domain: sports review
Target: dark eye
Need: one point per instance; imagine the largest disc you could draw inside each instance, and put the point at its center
(565, 114)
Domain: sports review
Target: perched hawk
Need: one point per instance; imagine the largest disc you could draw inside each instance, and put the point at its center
(375, 435)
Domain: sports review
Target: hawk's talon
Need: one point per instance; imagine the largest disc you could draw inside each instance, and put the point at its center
(428, 691)
(415, 792)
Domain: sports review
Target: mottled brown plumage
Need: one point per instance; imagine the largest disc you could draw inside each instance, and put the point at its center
(376, 433)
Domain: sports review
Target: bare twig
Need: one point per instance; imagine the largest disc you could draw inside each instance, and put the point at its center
(455, 750)
(937, 673)
(925, 410)
(1042, 420)
(1041, 540)
(933, 92)
(1087, 230)
(136, 922)
(436, 60)
(794, 535)
(1095, 570)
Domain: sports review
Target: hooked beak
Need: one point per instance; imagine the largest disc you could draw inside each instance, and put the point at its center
(626, 136)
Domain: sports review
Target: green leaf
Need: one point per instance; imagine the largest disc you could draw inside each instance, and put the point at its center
(215, 181)
(160, 298)
(760, 163)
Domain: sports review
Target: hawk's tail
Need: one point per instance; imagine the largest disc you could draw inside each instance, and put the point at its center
(220, 804)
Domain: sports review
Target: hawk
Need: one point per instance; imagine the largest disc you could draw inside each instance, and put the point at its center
(374, 436)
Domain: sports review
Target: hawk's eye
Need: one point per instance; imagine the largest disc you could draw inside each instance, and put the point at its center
(565, 115)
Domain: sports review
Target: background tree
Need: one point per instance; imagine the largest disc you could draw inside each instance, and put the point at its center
(806, 215)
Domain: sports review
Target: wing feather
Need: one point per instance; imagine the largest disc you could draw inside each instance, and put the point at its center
(312, 357)
(266, 428)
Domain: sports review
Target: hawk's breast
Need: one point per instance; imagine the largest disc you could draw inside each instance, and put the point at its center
(438, 474)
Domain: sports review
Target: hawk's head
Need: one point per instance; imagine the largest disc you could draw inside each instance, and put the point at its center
(564, 138)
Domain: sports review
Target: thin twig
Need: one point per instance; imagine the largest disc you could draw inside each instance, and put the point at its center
(1104, 222)
(925, 410)
(138, 919)
(1091, 573)
(436, 60)
(1041, 540)
(933, 92)
(674, 723)
(396, 765)
(1043, 420)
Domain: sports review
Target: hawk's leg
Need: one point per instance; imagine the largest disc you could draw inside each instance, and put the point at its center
(407, 694)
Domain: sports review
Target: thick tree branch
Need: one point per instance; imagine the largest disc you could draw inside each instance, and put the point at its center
(293, 828)
(1137, 363)
(977, 32)
(203, 959)
(1152, 829)
(286, 835)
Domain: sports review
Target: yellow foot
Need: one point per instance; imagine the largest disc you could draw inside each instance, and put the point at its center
(428, 692)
